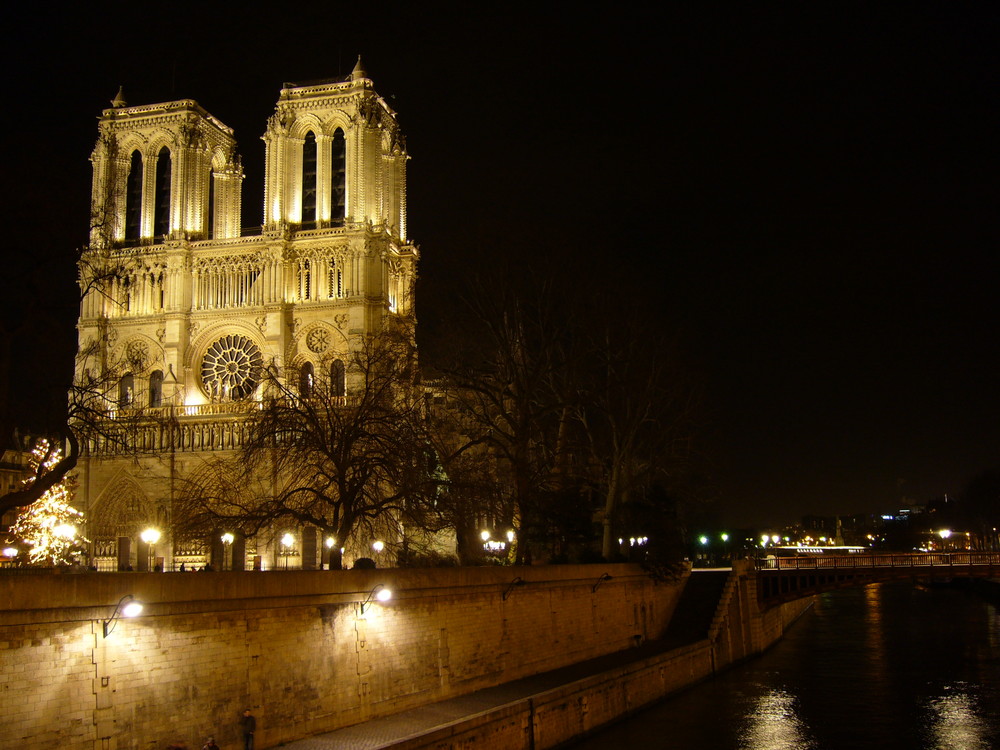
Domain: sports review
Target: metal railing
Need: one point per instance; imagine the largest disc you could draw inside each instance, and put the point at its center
(881, 560)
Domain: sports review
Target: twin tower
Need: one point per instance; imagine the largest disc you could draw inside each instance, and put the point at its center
(189, 285)
(182, 307)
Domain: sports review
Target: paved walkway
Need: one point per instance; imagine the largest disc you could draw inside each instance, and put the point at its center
(386, 731)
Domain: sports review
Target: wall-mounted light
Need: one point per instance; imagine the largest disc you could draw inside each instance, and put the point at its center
(604, 577)
(380, 593)
(511, 586)
(128, 606)
(378, 546)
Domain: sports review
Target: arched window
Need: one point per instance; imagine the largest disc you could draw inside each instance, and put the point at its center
(338, 177)
(338, 382)
(133, 198)
(156, 388)
(309, 178)
(210, 219)
(307, 380)
(161, 209)
(336, 280)
(126, 390)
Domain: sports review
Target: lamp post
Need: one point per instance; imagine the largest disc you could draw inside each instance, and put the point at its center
(150, 537)
(286, 547)
(945, 535)
(227, 546)
(330, 542)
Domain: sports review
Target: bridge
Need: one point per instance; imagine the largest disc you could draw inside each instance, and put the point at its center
(781, 579)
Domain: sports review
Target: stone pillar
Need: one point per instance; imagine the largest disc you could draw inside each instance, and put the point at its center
(217, 555)
(309, 548)
(239, 552)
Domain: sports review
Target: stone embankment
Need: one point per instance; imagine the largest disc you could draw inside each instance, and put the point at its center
(562, 648)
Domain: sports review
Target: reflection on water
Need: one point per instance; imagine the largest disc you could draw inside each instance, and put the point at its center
(774, 724)
(887, 666)
(956, 721)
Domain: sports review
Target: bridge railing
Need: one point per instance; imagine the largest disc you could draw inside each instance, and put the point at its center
(880, 560)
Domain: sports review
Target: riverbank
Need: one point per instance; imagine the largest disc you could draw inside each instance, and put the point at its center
(550, 709)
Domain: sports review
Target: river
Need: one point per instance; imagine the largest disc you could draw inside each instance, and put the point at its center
(885, 666)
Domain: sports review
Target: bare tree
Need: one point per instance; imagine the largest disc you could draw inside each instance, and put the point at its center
(636, 410)
(504, 380)
(340, 460)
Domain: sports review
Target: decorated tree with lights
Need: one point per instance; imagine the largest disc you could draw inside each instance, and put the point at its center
(48, 527)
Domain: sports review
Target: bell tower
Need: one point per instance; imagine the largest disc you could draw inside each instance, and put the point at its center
(335, 157)
(163, 172)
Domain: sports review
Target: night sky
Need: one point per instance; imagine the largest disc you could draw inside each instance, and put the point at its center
(810, 190)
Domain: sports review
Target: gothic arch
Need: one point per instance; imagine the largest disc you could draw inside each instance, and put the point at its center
(220, 159)
(305, 123)
(338, 119)
(123, 509)
(159, 140)
(126, 143)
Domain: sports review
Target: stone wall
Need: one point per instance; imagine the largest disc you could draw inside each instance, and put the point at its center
(293, 646)
(552, 718)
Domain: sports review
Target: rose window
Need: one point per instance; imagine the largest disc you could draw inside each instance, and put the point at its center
(231, 368)
(318, 340)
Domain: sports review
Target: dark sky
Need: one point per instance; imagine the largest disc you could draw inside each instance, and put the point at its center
(810, 190)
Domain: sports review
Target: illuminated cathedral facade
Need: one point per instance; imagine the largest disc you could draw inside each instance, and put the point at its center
(198, 307)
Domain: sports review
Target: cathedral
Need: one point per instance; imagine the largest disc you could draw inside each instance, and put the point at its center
(185, 309)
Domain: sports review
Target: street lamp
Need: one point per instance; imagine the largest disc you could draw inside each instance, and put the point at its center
(945, 534)
(227, 543)
(378, 546)
(286, 547)
(150, 537)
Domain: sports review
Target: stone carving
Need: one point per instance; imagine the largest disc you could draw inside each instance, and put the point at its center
(137, 353)
(261, 322)
(340, 320)
(318, 340)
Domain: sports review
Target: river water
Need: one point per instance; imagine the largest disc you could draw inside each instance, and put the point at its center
(886, 666)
